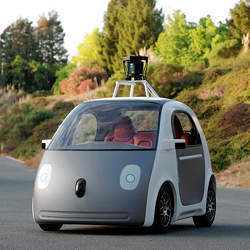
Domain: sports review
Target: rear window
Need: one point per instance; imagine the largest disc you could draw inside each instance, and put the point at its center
(109, 125)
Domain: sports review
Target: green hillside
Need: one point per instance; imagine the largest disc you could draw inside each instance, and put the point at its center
(220, 96)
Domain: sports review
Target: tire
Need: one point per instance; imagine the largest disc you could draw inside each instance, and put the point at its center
(207, 219)
(164, 210)
(50, 227)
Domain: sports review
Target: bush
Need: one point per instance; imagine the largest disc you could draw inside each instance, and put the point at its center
(169, 80)
(62, 74)
(63, 107)
(30, 147)
(41, 93)
(226, 49)
(110, 84)
(39, 102)
(212, 73)
(83, 78)
(18, 124)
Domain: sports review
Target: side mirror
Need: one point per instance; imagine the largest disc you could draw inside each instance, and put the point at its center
(170, 144)
(45, 144)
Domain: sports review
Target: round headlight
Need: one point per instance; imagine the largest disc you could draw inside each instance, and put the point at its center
(44, 176)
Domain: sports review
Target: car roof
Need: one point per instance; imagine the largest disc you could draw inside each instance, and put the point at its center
(158, 100)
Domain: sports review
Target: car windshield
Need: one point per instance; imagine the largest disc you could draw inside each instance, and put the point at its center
(109, 125)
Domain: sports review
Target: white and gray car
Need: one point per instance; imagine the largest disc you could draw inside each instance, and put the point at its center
(127, 161)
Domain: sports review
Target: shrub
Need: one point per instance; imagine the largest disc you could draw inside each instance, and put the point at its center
(82, 79)
(169, 80)
(30, 147)
(63, 108)
(18, 124)
(225, 49)
(62, 74)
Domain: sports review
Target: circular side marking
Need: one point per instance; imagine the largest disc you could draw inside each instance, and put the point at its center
(44, 176)
(130, 177)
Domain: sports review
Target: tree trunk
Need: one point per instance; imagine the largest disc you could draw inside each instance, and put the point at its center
(245, 42)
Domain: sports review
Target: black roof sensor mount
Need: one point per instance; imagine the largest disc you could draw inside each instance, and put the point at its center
(135, 67)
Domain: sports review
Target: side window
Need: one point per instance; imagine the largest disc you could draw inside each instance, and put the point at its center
(184, 128)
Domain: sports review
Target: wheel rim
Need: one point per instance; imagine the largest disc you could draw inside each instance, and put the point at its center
(211, 205)
(165, 209)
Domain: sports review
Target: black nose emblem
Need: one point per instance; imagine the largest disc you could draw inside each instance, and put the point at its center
(80, 188)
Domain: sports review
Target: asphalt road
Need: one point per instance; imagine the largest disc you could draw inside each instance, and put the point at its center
(231, 229)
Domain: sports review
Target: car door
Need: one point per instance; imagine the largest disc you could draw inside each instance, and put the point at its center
(190, 159)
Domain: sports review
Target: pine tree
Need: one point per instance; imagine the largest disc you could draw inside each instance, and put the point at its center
(239, 24)
(129, 25)
(109, 38)
(140, 27)
(18, 39)
(50, 36)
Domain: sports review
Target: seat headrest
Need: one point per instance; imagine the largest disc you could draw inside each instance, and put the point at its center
(177, 128)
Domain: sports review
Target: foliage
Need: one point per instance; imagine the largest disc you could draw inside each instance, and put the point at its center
(109, 38)
(127, 30)
(28, 148)
(87, 53)
(61, 108)
(62, 74)
(19, 123)
(222, 104)
(138, 29)
(169, 80)
(50, 37)
(185, 43)
(225, 49)
(30, 56)
(18, 39)
(239, 24)
(45, 129)
(203, 38)
(172, 44)
(82, 79)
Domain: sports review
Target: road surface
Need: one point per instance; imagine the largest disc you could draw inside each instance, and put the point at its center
(231, 229)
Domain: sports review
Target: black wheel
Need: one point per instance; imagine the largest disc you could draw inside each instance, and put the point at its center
(207, 219)
(50, 227)
(164, 210)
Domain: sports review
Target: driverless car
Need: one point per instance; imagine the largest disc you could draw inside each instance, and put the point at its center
(140, 161)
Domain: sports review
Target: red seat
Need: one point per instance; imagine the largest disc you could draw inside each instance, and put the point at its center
(145, 139)
(179, 134)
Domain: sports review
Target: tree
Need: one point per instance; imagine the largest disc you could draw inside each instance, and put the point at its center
(18, 39)
(109, 38)
(21, 75)
(50, 36)
(139, 29)
(53, 55)
(29, 57)
(185, 43)
(88, 49)
(127, 29)
(173, 44)
(239, 24)
(203, 37)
